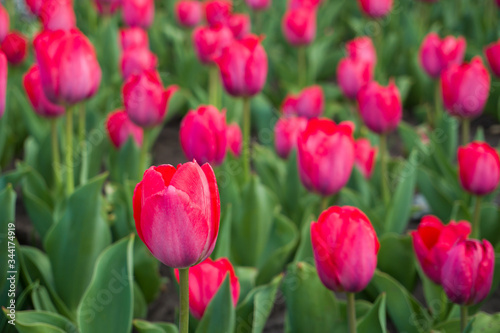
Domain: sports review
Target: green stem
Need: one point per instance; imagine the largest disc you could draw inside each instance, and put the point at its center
(246, 137)
(351, 312)
(83, 145)
(184, 290)
(324, 203)
(56, 158)
(302, 66)
(476, 223)
(383, 169)
(70, 183)
(143, 154)
(465, 131)
(213, 86)
(463, 318)
(258, 21)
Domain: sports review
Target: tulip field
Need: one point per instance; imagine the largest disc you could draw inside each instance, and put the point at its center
(229, 166)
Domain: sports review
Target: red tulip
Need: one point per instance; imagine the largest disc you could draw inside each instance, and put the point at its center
(145, 99)
(120, 128)
(286, 132)
(436, 55)
(362, 49)
(352, 75)
(57, 15)
(15, 47)
(467, 274)
(376, 8)
(433, 240)
(310, 4)
(309, 103)
(243, 67)
(258, 4)
(234, 139)
(107, 7)
(209, 42)
(492, 53)
(478, 168)
(364, 157)
(34, 91)
(325, 155)
(345, 248)
(136, 61)
(138, 13)
(380, 107)
(205, 280)
(34, 6)
(188, 12)
(4, 23)
(3, 82)
(177, 213)
(240, 25)
(218, 11)
(131, 38)
(465, 88)
(299, 26)
(203, 135)
(68, 65)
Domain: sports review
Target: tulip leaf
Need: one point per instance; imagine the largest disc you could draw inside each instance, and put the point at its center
(435, 298)
(143, 326)
(146, 271)
(450, 326)
(375, 320)
(271, 169)
(396, 258)
(223, 245)
(7, 209)
(485, 323)
(489, 226)
(304, 251)
(107, 305)
(439, 195)
(39, 212)
(140, 304)
(246, 277)
(124, 162)
(43, 322)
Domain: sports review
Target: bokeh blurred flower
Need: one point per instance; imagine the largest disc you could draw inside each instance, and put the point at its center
(15, 47)
(436, 55)
(210, 41)
(120, 128)
(188, 12)
(299, 26)
(352, 75)
(240, 25)
(131, 38)
(364, 157)
(136, 60)
(218, 11)
(309, 103)
(107, 7)
(258, 4)
(4, 23)
(3, 82)
(492, 53)
(138, 13)
(286, 132)
(234, 139)
(34, 90)
(362, 49)
(57, 14)
(376, 8)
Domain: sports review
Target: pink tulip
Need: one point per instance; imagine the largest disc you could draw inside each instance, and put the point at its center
(364, 157)
(299, 26)
(243, 67)
(203, 135)
(345, 248)
(131, 38)
(15, 47)
(352, 75)
(4, 23)
(362, 49)
(210, 41)
(310, 4)
(286, 132)
(205, 280)
(69, 70)
(218, 11)
(135, 61)
(492, 53)
(240, 25)
(120, 128)
(34, 6)
(145, 99)
(107, 7)
(376, 8)
(234, 139)
(380, 107)
(3, 82)
(467, 274)
(34, 90)
(478, 168)
(433, 240)
(325, 155)
(258, 4)
(188, 12)
(138, 13)
(436, 55)
(465, 88)
(309, 103)
(57, 15)
(177, 213)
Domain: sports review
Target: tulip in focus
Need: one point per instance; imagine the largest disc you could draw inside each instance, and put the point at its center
(436, 55)
(210, 41)
(286, 132)
(4, 23)
(218, 11)
(258, 4)
(203, 135)
(240, 25)
(177, 213)
(352, 75)
(57, 15)
(376, 8)
(205, 280)
(34, 90)
(234, 139)
(492, 53)
(433, 240)
(120, 128)
(3, 82)
(137, 60)
(362, 49)
(138, 13)
(299, 26)
(107, 7)
(364, 157)
(478, 168)
(15, 47)
(309, 103)
(131, 38)
(188, 12)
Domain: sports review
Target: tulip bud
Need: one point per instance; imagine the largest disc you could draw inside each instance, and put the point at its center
(34, 91)
(492, 53)
(436, 55)
(57, 15)
(218, 11)
(177, 213)
(234, 139)
(136, 61)
(132, 38)
(286, 132)
(240, 25)
(120, 128)
(299, 26)
(203, 135)
(205, 280)
(433, 240)
(107, 7)
(34, 6)
(138, 13)
(3, 82)
(467, 273)
(478, 168)
(376, 8)
(364, 157)
(309, 103)
(258, 4)
(465, 88)
(15, 47)
(69, 70)
(380, 107)
(145, 99)
(362, 49)
(345, 248)
(325, 155)
(188, 12)
(209, 42)
(4, 23)
(352, 75)
(235, 63)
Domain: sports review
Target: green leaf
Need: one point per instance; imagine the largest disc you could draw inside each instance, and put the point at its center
(7, 209)
(43, 322)
(107, 305)
(220, 314)
(375, 320)
(146, 271)
(143, 326)
(490, 228)
(246, 277)
(140, 304)
(223, 245)
(485, 323)
(396, 258)
(124, 163)
(438, 194)
(450, 326)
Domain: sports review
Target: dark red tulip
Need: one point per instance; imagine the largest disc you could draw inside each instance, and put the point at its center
(209, 41)
(15, 47)
(34, 90)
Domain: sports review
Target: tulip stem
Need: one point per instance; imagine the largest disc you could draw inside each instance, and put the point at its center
(324, 203)
(463, 318)
(70, 183)
(83, 146)
(302, 66)
(383, 169)
(143, 154)
(184, 313)
(351, 312)
(246, 137)
(56, 158)
(476, 223)
(465, 131)
(213, 86)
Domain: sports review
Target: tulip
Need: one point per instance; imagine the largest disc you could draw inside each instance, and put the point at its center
(120, 128)
(3, 82)
(325, 155)
(107, 7)
(240, 25)
(258, 4)
(362, 49)
(145, 99)
(69, 70)
(309, 103)
(243, 67)
(436, 55)
(467, 273)
(310, 4)
(15, 47)
(203, 135)
(234, 139)
(137, 60)
(352, 75)
(492, 53)
(218, 11)
(34, 90)
(478, 168)
(299, 26)
(364, 157)
(4, 23)
(188, 12)
(432, 242)
(138, 13)
(375, 8)
(286, 132)
(133, 38)
(34, 6)
(209, 42)
(205, 280)
(57, 15)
